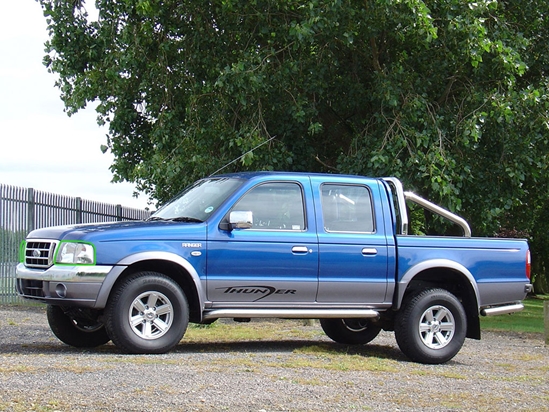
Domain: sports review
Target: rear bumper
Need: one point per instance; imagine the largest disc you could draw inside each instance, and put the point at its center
(502, 293)
(503, 298)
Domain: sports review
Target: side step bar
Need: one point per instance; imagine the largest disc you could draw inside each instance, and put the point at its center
(502, 310)
(291, 313)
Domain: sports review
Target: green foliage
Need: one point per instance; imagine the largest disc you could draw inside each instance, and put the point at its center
(528, 320)
(448, 95)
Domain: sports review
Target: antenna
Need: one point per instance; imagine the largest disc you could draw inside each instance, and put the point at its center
(240, 157)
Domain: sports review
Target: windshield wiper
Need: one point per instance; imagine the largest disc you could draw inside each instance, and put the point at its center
(175, 219)
(186, 219)
(154, 218)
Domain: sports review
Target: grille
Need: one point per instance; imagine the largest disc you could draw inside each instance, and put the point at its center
(39, 253)
(31, 288)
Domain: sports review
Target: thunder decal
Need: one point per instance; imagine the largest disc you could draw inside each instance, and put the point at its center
(263, 291)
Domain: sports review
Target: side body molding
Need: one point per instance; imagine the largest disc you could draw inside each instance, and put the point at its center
(434, 264)
(117, 270)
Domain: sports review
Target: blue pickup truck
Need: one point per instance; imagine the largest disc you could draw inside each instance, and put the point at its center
(275, 245)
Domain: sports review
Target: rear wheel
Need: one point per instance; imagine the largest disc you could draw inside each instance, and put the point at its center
(350, 331)
(431, 326)
(78, 331)
(147, 313)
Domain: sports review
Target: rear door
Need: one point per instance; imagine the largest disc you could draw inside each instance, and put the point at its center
(353, 249)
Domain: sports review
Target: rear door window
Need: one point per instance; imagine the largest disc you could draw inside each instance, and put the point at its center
(347, 208)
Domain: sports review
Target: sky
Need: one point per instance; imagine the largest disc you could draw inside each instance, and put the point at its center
(40, 145)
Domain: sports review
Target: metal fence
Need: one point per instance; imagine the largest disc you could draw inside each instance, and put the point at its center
(23, 210)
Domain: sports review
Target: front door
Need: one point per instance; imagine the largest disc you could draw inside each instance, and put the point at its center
(275, 261)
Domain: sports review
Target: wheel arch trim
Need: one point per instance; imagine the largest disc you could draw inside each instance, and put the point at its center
(128, 261)
(421, 267)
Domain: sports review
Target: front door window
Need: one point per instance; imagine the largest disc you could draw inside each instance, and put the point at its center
(274, 206)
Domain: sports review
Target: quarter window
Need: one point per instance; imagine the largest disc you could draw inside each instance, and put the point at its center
(347, 209)
(275, 206)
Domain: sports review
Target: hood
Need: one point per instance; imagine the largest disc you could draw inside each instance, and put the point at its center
(120, 231)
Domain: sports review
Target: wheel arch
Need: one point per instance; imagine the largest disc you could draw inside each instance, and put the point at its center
(448, 275)
(173, 266)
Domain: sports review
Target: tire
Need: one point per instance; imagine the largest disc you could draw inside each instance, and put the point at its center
(350, 331)
(147, 313)
(431, 326)
(80, 332)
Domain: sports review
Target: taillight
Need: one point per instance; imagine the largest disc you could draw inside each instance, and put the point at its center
(528, 264)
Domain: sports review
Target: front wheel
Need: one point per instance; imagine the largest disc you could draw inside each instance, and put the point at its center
(147, 313)
(78, 331)
(350, 331)
(431, 326)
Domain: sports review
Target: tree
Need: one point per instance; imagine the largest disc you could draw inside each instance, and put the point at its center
(448, 95)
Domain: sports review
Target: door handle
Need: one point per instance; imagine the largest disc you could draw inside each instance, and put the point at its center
(369, 251)
(300, 249)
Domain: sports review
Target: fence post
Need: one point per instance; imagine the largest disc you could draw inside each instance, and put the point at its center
(79, 210)
(31, 215)
(118, 213)
(1, 201)
(546, 317)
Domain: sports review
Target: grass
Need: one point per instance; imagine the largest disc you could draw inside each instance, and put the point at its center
(39, 405)
(529, 320)
(312, 356)
(321, 356)
(253, 331)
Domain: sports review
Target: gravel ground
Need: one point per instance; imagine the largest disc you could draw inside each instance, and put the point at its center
(39, 373)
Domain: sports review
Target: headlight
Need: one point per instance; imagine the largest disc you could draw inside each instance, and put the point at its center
(75, 253)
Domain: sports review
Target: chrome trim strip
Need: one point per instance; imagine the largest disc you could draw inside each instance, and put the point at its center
(440, 211)
(502, 310)
(63, 273)
(291, 313)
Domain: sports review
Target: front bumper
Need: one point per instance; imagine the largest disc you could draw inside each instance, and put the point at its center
(62, 285)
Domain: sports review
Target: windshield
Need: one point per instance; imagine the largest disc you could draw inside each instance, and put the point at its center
(197, 202)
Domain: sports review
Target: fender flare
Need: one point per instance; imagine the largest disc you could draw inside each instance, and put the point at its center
(123, 264)
(434, 264)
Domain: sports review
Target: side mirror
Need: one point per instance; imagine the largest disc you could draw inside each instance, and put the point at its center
(241, 220)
